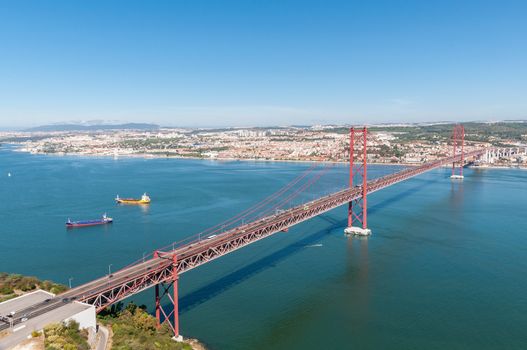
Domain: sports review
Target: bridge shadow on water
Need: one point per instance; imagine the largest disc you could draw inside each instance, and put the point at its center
(224, 283)
(401, 195)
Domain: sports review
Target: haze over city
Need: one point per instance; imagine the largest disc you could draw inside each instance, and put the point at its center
(240, 63)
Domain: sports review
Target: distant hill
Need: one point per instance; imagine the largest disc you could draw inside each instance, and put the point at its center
(81, 127)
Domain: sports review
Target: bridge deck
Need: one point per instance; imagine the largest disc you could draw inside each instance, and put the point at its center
(107, 290)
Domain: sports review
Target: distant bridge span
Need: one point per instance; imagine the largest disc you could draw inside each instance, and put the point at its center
(166, 266)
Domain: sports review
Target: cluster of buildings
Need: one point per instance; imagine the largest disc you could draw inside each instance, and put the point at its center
(275, 144)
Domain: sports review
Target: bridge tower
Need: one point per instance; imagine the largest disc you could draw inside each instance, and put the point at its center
(358, 176)
(458, 143)
(170, 317)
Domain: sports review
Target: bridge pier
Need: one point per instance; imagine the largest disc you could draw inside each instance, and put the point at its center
(358, 231)
(175, 279)
(167, 314)
(358, 208)
(458, 141)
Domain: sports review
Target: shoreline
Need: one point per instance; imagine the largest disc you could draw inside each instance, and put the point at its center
(19, 148)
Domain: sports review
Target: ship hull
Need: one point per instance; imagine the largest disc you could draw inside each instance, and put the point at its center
(131, 201)
(87, 223)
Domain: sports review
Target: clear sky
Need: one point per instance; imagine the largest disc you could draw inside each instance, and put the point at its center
(216, 63)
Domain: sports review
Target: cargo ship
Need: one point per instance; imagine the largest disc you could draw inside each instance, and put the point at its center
(143, 200)
(103, 221)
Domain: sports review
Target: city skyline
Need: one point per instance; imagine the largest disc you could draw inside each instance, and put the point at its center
(233, 63)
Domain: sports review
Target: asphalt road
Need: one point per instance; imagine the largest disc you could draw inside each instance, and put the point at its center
(102, 339)
(22, 330)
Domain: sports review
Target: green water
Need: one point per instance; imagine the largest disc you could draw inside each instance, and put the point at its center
(443, 269)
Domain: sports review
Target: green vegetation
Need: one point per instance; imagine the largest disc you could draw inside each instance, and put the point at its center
(133, 328)
(150, 143)
(282, 139)
(12, 285)
(387, 151)
(214, 149)
(60, 336)
(479, 132)
(474, 131)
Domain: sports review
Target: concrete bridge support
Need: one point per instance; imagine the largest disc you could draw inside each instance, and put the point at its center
(494, 154)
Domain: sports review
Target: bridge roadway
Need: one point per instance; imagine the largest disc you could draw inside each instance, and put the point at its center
(107, 290)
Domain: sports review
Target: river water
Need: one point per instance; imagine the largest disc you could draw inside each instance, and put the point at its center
(444, 268)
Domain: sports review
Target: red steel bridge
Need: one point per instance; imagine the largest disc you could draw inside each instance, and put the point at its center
(163, 268)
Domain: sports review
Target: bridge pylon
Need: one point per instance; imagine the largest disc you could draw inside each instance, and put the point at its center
(358, 176)
(170, 317)
(458, 143)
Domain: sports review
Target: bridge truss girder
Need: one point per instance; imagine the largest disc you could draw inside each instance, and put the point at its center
(164, 267)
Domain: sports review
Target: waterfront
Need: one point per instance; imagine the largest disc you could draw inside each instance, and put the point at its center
(442, 270)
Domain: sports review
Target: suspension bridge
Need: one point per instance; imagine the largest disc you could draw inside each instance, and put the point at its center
(163, 267)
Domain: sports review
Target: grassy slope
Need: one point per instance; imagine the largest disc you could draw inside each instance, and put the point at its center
(60, 336)
(133, 328)
(12, 285)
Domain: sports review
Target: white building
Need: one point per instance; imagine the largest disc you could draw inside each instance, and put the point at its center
(82, 313)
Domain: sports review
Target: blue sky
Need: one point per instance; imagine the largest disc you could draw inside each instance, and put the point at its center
(216, 63)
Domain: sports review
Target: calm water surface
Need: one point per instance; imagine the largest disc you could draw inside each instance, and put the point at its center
(444, 268)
